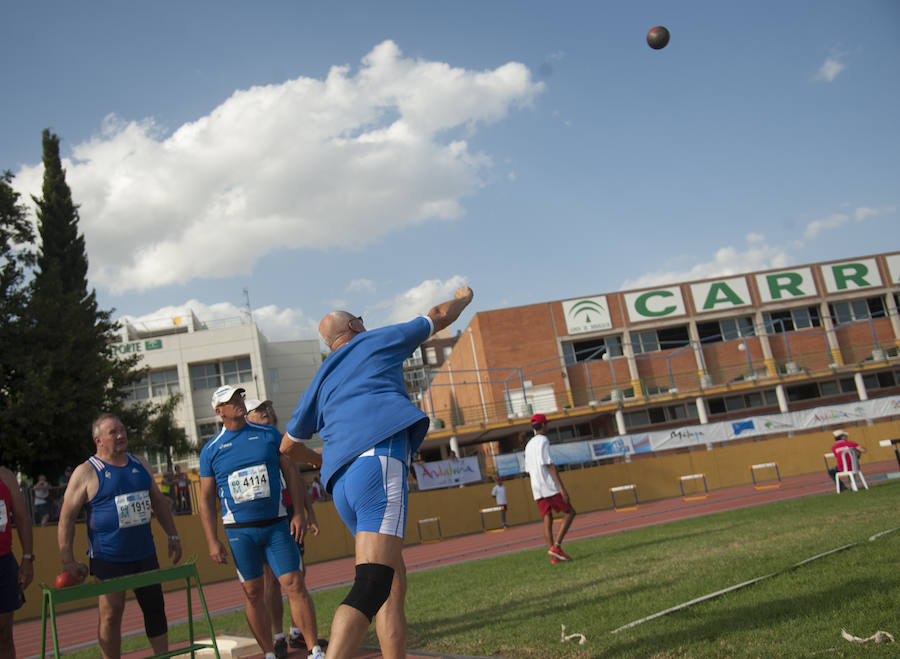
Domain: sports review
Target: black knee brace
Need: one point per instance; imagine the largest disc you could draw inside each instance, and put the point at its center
(371, 588)
(150, 599)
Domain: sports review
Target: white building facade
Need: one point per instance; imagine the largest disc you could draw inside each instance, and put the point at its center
(193, 358)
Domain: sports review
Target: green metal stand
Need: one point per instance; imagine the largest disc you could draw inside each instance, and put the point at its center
(51, 597)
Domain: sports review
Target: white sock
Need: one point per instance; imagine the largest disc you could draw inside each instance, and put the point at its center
(279, 635)
(295, 632)
(270, 655)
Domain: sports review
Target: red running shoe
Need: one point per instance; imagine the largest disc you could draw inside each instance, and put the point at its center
(557, 552)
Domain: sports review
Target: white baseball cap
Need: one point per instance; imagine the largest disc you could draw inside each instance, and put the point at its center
(224, 394)
(252, 403)
(839, 433)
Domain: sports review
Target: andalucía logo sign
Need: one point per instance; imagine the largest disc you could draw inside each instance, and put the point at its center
(587, 315)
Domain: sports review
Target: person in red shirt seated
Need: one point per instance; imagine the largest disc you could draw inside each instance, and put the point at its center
(842, 441)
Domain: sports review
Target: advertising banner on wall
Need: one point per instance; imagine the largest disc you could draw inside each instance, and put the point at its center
(660, 440)
(447, 473)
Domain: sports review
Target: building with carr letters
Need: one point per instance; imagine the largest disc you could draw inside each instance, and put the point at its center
(735, 354)
(194, 358)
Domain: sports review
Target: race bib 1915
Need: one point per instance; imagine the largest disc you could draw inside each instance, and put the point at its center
(134, 508)
(249, 484)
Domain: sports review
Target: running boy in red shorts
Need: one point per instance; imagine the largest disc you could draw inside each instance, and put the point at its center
(547, 488)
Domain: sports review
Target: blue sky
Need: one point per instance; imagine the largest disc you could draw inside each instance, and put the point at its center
(374, 156)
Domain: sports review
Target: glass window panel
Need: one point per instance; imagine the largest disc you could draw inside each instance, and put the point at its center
(771, 397)
(829, 388)
(840, 311)
(729, 329)
(848, 385)
(745, 325)
(734, 403)
(205, 376)
(860, 309)
(754, 400)
(716, 406)
(676, 412)
(709, 332)
(886, 379)
(870, 381)
(802, 319)
(657, 415)
(876, 307)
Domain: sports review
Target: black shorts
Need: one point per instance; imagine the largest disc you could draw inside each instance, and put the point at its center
(149, 598)
(103, 569)
(11, 596)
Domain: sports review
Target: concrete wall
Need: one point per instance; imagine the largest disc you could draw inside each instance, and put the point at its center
(655, 477)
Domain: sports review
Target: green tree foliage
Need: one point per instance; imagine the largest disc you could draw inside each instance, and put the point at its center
(159, 433)
(72, 372)
(16, 256)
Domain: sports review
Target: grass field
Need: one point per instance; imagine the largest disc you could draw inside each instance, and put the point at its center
(513, 606)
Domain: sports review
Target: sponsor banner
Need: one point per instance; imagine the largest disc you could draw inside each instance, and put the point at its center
(660, 440)
(510, 464)
(610, 448)
(447, 473)
(570, 453)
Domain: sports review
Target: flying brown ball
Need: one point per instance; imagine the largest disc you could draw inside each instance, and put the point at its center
(658, 37)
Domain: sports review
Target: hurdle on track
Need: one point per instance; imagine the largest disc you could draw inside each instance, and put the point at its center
(492, 509)
(624, 488)
(694, 496)
(769, 484)
(430, 520)
(52, 597)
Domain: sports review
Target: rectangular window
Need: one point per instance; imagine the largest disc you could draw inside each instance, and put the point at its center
(235, 371)
(792, 319)
(164, 383)
(806, 391)
(829, 388)
(447, 351)
(415, 359)
(206, 431)
(431, 355)
(673, 337)
(275, 380)
(637, 419)
(645, 342)
(848, 386)
(734, 403)
(726, 329)
(205, 376)
(139, 390)
(592, 349)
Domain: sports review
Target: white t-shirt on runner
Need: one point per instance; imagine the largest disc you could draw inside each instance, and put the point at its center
(537, 457)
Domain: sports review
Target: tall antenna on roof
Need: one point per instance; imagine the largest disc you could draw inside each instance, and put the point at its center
(247, 310)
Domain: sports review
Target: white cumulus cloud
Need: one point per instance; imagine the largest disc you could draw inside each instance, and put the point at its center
(308, 163)
(860, 214)
(419, 299)
(756, 255)
(831, 68)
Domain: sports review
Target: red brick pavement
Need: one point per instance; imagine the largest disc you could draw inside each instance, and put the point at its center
(78, 629)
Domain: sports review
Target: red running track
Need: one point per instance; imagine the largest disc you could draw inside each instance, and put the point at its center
(77, 630)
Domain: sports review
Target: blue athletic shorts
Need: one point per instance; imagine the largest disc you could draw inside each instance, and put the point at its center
(252, 546)
(372, 495)
(11, 596)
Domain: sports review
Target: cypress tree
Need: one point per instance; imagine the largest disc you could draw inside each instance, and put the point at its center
(16, 255)
(73, 373)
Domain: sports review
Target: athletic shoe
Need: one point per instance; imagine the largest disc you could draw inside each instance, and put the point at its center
(554, 560)
(316, 653)
(557, 551)
(297, 641)
(281, 648)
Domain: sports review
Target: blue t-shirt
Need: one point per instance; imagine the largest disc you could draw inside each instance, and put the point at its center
(358, 397)
(118, 516)
(248, 477)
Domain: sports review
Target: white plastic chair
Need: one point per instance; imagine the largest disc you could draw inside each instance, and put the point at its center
(850, 473)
